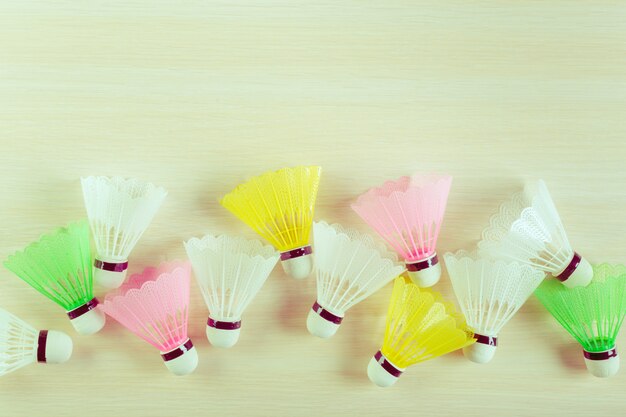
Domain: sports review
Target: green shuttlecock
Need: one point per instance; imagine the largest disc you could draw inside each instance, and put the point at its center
(59, 266)
(593, 315)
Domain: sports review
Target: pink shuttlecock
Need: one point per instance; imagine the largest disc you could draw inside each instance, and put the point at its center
(408, 214)
(155, 306)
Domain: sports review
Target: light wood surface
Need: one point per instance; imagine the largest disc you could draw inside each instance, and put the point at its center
(197, 96)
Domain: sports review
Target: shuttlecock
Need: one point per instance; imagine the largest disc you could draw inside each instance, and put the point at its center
(21, 344)
(420, 326)
(154, 305)
(593, 315)
(230, 272)
(528, 229)
(408, 214)
(350, 267)
(58, 265)
(119, 211)
(489, 293)
(279, 206)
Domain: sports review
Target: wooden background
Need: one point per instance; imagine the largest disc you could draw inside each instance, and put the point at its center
(197, 96)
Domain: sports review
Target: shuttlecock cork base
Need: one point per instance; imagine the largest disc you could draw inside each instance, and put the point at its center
(297, 262)
(53, 347)
(602, 364)
(182, 360)
(425, 272)
(483, 350)
(111, 274)
(577, 273)
(223, 334)
(322, 322)
(382, 372)
(87, 319)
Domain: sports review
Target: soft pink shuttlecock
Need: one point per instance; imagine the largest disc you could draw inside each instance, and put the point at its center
(155, 306)
(408, 214)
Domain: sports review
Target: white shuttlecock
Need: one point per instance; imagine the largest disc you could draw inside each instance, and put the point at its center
(489, 293)
(230, 272)
(528, 229)
(21, 344)
(119, 211)
(349, 267)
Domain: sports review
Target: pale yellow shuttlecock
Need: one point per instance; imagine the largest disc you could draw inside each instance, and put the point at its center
(420, 326)
(279, 206)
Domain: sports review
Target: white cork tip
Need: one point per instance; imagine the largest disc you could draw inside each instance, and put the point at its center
(582, 275)
(378, 375)
(298, 268)
(59, 347)
(184, 364)
(109, 279)
(319, 326)
(426, 277)
(89, 323)
(479, 352)
(222, 338)
(603, 368)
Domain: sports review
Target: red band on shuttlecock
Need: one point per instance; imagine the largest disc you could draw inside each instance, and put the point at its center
(570, 268)
(296, 253)
(111, 266)
(421, 265)
(386, 365)
(325, 314)
(179, 351)
(223, 325)
(85, 308)
(41, 346)
(600, 356)
(486, 340)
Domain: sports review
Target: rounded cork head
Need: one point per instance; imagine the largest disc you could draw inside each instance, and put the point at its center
(109, 279)
(59, 347)
(89, 323)
(319, 326)
(479, 352)
(603, 368)
(379, 375)
(582, 275)
(184, 364)
(298, 268)
(223, 338)
(426, 277)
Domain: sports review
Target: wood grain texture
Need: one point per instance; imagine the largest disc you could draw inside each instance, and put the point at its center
(197, 96)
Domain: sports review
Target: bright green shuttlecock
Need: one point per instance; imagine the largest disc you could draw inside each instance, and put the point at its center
(58, 265)
(592, 315)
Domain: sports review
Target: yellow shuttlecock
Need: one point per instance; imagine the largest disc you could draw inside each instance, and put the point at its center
(420, 326)
(279, 206)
